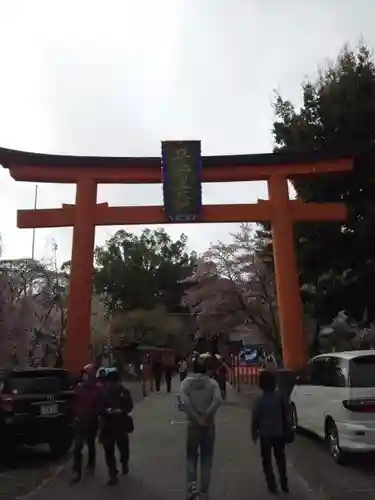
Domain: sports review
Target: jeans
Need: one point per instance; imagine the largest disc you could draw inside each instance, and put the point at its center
(277, 444)
(84, 434)
(200, 441)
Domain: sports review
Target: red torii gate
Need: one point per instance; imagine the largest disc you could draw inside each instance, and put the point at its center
(88, 172)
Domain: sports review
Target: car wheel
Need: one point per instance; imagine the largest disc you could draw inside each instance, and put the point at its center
(334, 443)
(294, 418)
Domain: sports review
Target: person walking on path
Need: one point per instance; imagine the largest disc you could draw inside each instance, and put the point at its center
(85, 410)
(221, 375)
(115, 425)
(168, 373)
(200, 398)
(271, 424)
(182, 369)
(157, 372)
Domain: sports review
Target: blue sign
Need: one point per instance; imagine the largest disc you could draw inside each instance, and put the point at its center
(106, 370)
(250, 355)
(182, 190)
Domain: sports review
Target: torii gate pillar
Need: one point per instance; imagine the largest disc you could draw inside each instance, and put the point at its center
(290, 312)
(80, 284)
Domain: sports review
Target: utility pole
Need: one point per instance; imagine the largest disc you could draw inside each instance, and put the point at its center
(35, 204)
(54, 252)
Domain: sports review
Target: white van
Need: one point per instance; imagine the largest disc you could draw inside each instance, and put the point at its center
(335, 399)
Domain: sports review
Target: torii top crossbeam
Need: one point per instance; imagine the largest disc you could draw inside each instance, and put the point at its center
(147, 170)
(87, 172)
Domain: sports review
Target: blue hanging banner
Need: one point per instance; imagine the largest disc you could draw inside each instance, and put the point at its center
(182, 189)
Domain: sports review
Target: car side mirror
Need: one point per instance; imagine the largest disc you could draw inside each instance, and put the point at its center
(302, 379)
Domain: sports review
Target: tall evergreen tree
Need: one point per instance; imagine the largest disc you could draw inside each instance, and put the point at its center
(337, 261)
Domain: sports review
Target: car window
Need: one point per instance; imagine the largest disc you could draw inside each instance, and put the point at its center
(318, 371)
(334, 374)
(36, 385)
(362, 371)
(327, 372)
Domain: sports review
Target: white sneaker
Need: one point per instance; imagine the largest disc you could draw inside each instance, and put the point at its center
(192, 492)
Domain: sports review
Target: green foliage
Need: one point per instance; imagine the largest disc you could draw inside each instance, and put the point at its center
(336, 260)
(142, 272)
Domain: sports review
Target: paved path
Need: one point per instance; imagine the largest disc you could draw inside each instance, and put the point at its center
(157, 465)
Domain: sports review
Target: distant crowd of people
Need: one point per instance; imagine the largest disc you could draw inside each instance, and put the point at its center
(103, 406)
(163, 370)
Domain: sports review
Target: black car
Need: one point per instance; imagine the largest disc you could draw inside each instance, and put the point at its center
(35, 408)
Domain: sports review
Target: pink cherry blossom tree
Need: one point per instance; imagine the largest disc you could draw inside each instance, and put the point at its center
(232, 286)
(32, 310)
(15, 320)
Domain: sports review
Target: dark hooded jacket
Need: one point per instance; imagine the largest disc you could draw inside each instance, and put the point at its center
(270, 413)
(116, 397)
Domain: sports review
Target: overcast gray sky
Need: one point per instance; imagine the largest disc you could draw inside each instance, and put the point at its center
(114, 78)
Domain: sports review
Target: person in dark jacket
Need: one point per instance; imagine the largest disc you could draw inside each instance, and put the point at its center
(269, 417)
(168, 373)
(85, 410)
(115, 424)
(157, 371)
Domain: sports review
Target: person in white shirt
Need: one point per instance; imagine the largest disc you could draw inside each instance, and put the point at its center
(182, 369)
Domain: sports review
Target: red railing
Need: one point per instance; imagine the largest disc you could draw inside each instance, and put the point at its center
(242, 374)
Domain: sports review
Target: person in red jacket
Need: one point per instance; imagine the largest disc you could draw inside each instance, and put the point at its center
(220, 375)
(86, 409)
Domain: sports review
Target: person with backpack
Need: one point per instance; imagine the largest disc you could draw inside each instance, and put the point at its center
(272, 425)
(200, 398)
(115, 424)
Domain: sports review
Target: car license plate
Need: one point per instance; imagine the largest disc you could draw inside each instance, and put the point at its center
(49, 409)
